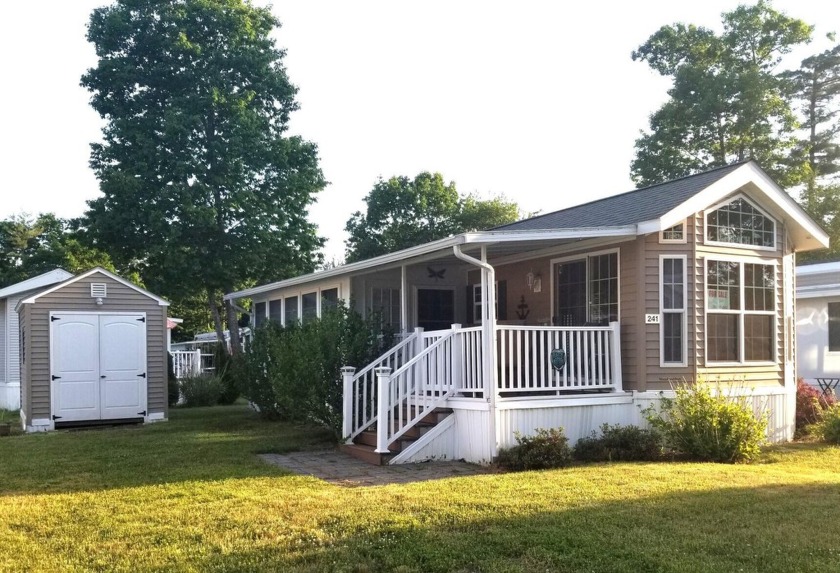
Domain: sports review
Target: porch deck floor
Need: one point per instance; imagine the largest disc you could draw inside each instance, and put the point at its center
(337, 468)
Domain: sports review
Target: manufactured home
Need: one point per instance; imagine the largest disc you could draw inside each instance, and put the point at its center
(818, 324)
(573, 318)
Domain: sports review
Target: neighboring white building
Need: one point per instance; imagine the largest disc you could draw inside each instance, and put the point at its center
(10, 334)
(818, 321)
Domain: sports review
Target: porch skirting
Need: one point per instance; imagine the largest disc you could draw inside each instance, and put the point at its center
(469, 437)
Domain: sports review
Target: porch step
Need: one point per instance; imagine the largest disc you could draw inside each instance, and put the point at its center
(364, 444)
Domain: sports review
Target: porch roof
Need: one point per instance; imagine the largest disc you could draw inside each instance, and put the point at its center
(499, 243)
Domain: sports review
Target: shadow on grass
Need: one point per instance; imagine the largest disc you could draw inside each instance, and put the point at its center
(764, 529)
(198, 444)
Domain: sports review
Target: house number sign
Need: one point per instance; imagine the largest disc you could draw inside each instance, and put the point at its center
(651, 319)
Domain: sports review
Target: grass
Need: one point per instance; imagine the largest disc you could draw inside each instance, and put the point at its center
(190, 495)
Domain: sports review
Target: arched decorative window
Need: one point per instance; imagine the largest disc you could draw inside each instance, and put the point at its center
(741, 223)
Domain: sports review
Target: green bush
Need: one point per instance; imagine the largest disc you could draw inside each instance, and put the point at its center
(829, 427)
(619, 443)
(294, 372)
(200, 390)
(226, 372)
(810, 405)
(544, 450)
(707, 426)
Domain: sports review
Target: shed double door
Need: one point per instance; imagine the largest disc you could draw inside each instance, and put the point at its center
(98, 366)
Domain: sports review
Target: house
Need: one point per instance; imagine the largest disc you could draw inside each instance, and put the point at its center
(92, 350)
(10, 335)
(818, 321)
(573, 318)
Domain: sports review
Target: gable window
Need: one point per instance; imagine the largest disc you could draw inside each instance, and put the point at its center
(586, 291)
(672, 272)
(740, 311)
(834, 327)
(739, 222)
(675, 234)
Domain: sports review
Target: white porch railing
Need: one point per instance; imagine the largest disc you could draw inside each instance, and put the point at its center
(360, 389)
(593, 358)
(414, 390)
(191, 362)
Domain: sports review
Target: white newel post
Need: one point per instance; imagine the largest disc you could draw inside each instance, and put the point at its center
(196, 366)
(347, 374)
(383, 404)
(457, 358)
(616, 355)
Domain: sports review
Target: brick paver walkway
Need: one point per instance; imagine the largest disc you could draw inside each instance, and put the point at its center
(339, 468)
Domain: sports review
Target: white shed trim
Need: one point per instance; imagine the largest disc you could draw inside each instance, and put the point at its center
(85, 275)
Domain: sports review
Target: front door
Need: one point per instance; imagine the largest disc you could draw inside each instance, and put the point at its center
(98, 366)
(435, 308)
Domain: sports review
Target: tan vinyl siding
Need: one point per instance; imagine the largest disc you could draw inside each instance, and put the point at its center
(659, 377)
(750, 375)
(76, 297)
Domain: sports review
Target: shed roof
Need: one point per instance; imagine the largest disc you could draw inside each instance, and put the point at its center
(100, 270)
(37, 282)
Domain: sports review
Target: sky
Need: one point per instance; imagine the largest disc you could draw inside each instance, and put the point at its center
(536, 100)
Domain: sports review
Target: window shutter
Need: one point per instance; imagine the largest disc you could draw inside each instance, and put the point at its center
(502, 296)
(470, 305)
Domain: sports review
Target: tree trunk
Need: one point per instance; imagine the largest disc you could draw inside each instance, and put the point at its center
(233, 327)
(217, 319)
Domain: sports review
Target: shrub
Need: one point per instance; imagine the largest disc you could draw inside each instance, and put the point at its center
(546, 449)
(707, 426)
(829, 427)
(810, 404)
(200, 390)
(620, 443)
(172, 390)
(294, 372)
(225, 371)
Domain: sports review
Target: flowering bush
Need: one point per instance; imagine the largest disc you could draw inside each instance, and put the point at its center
(810, 405)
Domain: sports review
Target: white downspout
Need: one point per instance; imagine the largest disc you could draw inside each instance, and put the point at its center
(488, 321)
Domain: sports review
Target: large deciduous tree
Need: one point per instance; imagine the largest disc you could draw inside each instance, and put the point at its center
(202, 189)
(29, 247)
(403, 212)
(727, 102)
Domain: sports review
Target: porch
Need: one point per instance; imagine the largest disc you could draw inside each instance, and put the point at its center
(406, 399)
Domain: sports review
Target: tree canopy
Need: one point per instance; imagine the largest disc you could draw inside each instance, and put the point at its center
(202, 189)
(727, 103)
(402, 212)
(33, 246)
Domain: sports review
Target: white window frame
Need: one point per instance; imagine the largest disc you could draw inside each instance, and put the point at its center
(299, 294)
(389, 287)
(682, 241)
(725, 202)
(741, 312)
(683, 311)
(478, 317)
(585, 256)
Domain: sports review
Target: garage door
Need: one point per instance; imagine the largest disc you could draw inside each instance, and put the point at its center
(98, 366)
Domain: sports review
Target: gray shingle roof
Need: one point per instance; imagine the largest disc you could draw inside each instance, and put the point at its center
(627, 208)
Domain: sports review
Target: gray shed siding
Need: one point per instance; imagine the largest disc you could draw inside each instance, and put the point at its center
(75, 297)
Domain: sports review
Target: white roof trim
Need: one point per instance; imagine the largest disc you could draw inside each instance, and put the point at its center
(40, 281)
(818, 291)
(440, 245)
(84, 275)
(748, 173)
(818, 269)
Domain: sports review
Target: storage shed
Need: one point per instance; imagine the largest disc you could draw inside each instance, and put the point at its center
(93, 349)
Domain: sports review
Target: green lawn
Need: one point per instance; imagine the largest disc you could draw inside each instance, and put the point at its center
(190, 495)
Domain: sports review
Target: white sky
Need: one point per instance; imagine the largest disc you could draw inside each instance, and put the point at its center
(536, 100)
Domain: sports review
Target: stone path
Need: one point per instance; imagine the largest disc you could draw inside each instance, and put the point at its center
(338, 468)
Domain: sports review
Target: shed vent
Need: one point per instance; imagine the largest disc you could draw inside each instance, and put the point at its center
(98, 290)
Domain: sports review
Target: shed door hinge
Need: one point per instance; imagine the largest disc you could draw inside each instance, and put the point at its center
(54, 377)
(142, 319)
(143, 413)
(143, 375)
(55, 417)
(54, 318)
